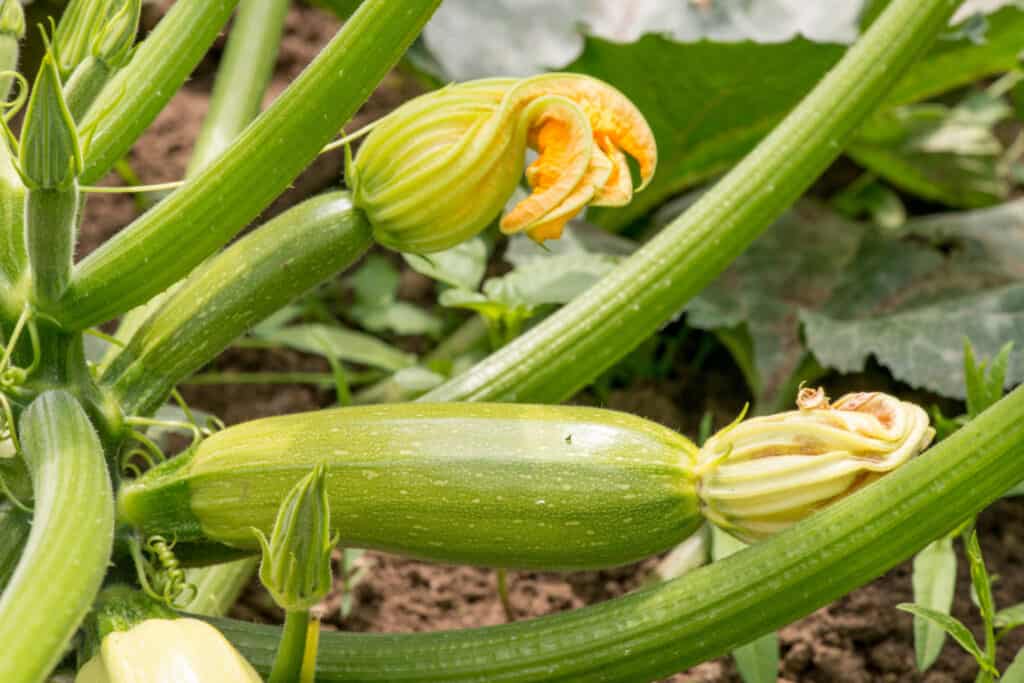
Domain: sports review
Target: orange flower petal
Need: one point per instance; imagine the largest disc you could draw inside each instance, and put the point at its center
(561, 135)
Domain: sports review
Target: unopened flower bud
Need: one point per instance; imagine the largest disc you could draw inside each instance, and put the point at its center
(166, 650)
(49, 152)
(440, 168)
(12, 18)
(113, 43)
(296, 566)
(759, 476)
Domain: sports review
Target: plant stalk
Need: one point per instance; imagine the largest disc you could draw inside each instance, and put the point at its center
(51, 217)
(288, 663)
(65, 558)
(192, 223)
(570, 348)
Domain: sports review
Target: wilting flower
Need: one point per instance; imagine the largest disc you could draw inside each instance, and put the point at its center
(167, 651)
(759, 476)
(441, 167)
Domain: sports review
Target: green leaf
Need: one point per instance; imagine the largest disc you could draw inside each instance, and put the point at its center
(399, 317)
(376, 281)
(945, 154)
(948, 624)
(765, 289)
(980, 579)
(909, 300)
(557, 279)
(461, 266)
(1015, 672)
(985, 384)
(1010, 617)
(868, 197)
(934, 580)
(344, 344)
(758, 660)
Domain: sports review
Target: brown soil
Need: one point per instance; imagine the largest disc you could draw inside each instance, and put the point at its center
(860, 638)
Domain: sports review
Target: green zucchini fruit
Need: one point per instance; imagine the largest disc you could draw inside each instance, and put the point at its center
(529, 487)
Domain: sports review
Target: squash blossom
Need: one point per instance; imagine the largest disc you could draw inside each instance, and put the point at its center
(440, 168)
(167, 651)
(759, 476)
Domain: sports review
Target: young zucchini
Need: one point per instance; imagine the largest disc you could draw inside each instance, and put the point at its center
(486, 484)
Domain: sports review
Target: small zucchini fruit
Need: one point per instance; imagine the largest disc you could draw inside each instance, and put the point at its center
(529, 487)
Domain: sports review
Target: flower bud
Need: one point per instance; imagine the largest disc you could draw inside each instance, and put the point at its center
(12, 18)
(296, 566)
(113, 44)
(759, 476)
(81, 24)
(49, 152)
(440, 168)
(167, 651)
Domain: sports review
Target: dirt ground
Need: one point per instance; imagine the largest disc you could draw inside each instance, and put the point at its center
(860, 638)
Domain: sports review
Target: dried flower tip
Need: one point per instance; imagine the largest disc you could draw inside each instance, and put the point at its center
(760, 476)
(811, 399)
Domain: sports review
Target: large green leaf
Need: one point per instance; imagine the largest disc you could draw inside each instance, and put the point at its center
(907, 298)
(765, 289)
(946, 154)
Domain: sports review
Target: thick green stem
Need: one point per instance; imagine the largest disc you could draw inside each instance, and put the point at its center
(157, 70)
(707, 612)
(242, 77)
(288, 663)
(169, 240)
(69, 546)
(572, 347)
(233, 291)
(50, 225)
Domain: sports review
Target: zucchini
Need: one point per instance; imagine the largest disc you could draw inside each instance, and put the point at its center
(529, 487)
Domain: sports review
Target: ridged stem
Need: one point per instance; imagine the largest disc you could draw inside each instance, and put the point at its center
(707, 612)
(85, 85)
(65, 558)
(572, 347)
(192, 223)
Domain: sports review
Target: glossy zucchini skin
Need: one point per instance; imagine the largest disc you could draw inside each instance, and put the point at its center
(531, 487)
